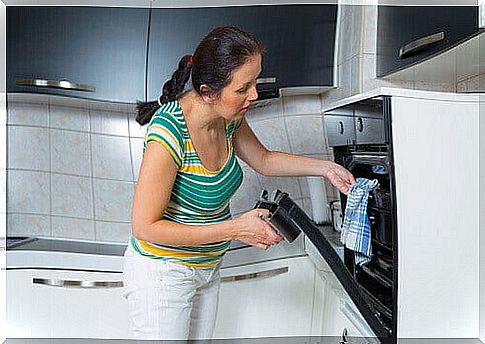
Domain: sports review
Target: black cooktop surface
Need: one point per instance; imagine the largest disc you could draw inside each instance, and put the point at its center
(59, 245)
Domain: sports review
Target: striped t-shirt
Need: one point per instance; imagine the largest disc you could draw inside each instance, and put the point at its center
(199, 196)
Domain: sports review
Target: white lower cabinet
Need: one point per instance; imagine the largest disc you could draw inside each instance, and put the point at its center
(65, 304)
(334, 312)
(266, 299)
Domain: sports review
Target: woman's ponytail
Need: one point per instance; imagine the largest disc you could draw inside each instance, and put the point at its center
(170, 91)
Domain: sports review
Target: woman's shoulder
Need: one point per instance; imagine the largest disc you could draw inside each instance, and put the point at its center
(169, 114)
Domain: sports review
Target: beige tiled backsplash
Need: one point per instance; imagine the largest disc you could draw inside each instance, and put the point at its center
(72, 169)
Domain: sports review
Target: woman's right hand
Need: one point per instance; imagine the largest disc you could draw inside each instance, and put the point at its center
(254, 229)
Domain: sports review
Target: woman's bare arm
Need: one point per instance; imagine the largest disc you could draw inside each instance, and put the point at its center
(155, 182)
(280, 164)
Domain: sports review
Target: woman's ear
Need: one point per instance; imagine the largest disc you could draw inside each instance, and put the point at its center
(207, 94)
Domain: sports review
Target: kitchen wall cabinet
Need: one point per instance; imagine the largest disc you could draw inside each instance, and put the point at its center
(266, 299)
(407, 35)
(38, 310)
(105, 49)
(96, 46)
(299, 40)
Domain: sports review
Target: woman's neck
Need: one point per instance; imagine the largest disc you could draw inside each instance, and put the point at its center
(199, 113)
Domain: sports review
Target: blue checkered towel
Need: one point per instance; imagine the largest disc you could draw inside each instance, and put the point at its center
(356, 227)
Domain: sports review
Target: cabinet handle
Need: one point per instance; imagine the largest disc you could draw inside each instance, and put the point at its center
(62, 84)
(420, 43)
(344, 336)
(356, 320)
(78, 284)
(270, 80)
(261, 274)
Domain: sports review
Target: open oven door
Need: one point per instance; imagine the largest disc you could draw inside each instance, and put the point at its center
(291, 220)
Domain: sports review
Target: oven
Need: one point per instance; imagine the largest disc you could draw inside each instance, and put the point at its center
(360, 137)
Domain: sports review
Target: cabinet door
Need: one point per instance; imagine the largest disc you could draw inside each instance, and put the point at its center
(96, 46)
(175, 32)
(266, 299)
(28, 309)
(334, 314)
(420, 32)
(299, 40)
(47, 303)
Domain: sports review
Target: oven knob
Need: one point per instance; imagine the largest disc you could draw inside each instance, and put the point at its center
(341, 127)
(360, 124)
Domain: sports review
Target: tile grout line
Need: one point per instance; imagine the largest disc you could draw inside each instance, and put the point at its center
(92, 173)
(72, 175)
(283, 102)
(63, 216)
(70, 130)
(50, 165)
(131, 148)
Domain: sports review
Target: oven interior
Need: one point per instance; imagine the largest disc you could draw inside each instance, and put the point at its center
(375, 278)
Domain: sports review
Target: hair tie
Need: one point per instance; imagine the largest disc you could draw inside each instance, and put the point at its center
(190, 59)
(159, 101)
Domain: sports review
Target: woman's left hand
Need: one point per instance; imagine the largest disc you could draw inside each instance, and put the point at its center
(340, 177)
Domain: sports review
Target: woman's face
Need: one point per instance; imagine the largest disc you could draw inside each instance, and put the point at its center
(236, 97)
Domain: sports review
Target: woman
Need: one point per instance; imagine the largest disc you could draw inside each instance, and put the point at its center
(181, 224)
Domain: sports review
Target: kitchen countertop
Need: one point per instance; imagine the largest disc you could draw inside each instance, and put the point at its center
(76, 246)
(261, 340)
(407, 93)
(57, 253)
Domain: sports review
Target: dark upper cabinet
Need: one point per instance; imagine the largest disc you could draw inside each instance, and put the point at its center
(299, 40)
(407, 35)
(95, 46)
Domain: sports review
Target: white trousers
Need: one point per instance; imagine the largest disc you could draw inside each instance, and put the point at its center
(167, 300)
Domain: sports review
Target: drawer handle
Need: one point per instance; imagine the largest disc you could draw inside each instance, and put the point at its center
(254, 275)
(420, 43)
(77, 284)
(62, 84)
(270, 80)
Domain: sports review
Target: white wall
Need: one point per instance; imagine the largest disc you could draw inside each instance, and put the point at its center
(3, 180)
(461, 69)
(482, 220)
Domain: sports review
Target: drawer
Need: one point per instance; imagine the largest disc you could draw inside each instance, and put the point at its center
(340, 130)
(369, 130)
